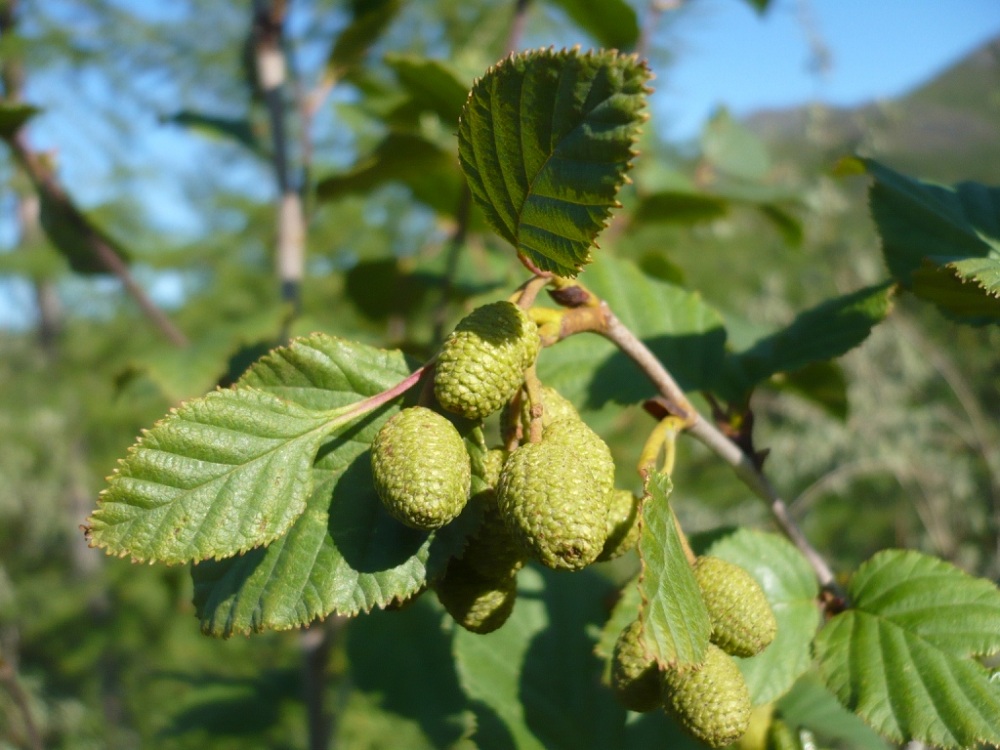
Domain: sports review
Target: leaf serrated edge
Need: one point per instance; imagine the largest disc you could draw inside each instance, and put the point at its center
(172, 414)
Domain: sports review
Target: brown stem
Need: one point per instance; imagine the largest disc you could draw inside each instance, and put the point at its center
(517, 25)
(47, 185)
(8, 678)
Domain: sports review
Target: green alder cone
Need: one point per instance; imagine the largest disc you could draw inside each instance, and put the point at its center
(548, 498)
(635, 677)
(623, 525)
(477, 603)
(743, 623)
(421, 469)
(712, 703)
(492, 551)
(481, 364)
(591, 449)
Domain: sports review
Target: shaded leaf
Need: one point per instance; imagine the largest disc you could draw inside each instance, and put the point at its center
(675, 621)
(234, 129)
(968, 289)
(432, 85)
(74, 235)
(931, 232)
(13, 116)
(903, 656)
(426, 169)
(677, 325)
(368, 20)
(545, 140)
(613, 23)
(823, 383)
(790, 586)
(535, 681)
(810, 705)
(828, 330)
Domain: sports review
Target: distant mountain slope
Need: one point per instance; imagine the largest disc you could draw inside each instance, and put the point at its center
(947, 129)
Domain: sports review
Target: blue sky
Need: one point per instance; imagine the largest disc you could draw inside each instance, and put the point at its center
(728, 54)
(725, 54)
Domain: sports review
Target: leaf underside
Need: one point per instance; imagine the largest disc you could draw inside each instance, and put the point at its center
(545, 140)
(904, 657)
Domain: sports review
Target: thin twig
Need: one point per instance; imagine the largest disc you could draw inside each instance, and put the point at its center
(706, 433)
(8, 678)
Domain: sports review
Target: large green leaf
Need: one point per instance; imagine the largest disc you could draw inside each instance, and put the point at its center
(828, 330)
(675, 621)
(344, 554)
(429, 171)
(811, 705)
(790, 586)
(903, 656)
(613, 23)
(930, 232)
(231, 471)
(545, 140)
(677, 325)
(419, 692)
(535, 682)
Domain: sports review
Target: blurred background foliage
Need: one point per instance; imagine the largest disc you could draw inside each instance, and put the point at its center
(893, 445)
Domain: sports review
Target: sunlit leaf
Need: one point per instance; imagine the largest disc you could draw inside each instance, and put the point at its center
(545, 140)
(903, 656)
(675, 621)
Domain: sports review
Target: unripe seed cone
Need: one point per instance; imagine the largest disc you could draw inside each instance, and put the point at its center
(481, 364)
(623, 525)
(635, 678)
(743, 623)
(548, 499)
(421, 469)
(478, 604)
(492, 551)
(590, 449)
(712, 703)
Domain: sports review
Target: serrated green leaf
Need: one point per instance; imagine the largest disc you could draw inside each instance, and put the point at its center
(613, 23)
(13, 116)
(902, 656)
(344, 555)
(535, 681)
(790, 586)
(828, 330)
(545, 140)
(232, 471)
(810, 705)
(218, 476)
(967, 289)
(677, 325)
(927, 229)
(676, 626)
(426, 169)
(432, 85)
